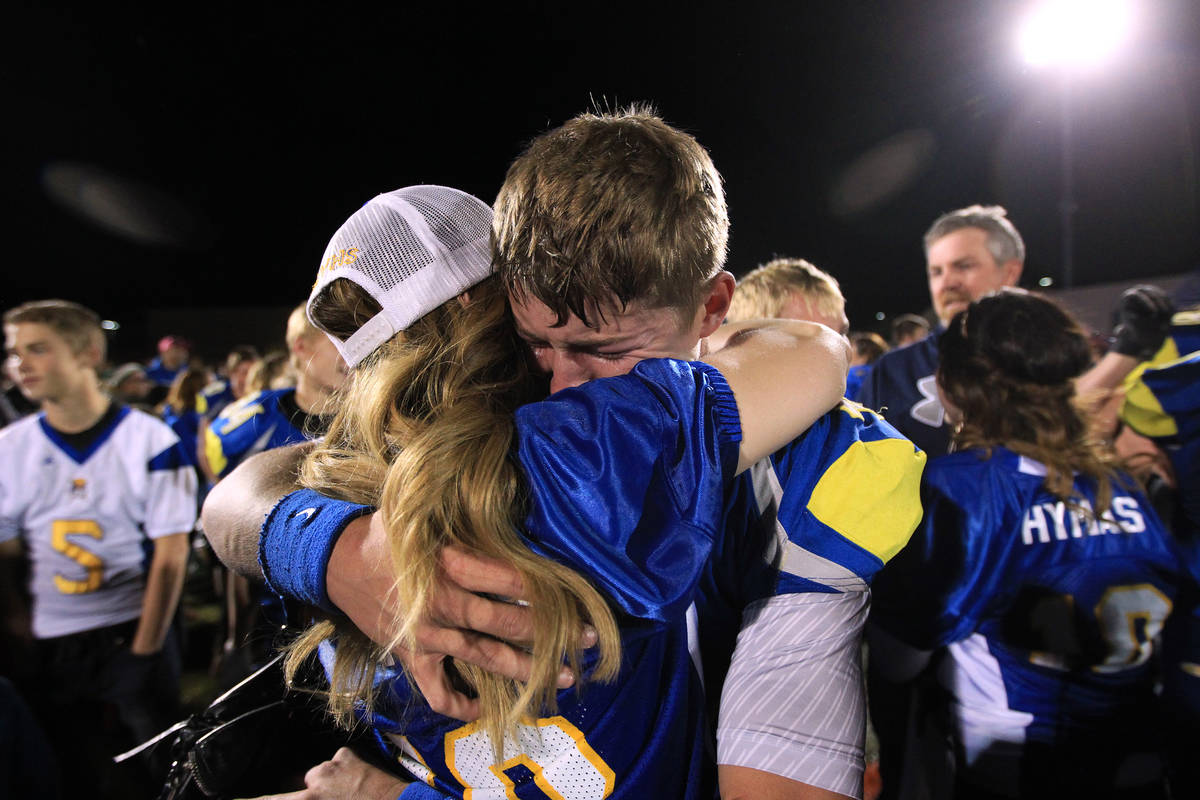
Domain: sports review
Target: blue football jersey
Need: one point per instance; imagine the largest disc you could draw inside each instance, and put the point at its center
(679, 569)
(262, 421)
(823, 514)
(902, 386)
(1162, 402)
(629, 479)
(160, 375)
(186, 425)
(1049, 612)
(669, 429)
(855, 378)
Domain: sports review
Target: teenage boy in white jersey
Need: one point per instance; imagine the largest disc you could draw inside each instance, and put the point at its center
(101, 499)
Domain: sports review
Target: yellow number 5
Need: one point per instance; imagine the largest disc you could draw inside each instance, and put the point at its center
(85, 558)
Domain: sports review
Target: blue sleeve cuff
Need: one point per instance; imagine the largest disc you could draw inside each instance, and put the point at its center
(725, 408)
(420, 791)
(296, 540)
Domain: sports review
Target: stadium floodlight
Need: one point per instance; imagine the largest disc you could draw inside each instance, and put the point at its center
(1074, 33)
(1072, 36)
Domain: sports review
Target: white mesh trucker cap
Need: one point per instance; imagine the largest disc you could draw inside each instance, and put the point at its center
(412, 250)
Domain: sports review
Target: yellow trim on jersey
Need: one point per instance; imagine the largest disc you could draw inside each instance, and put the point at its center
(213, 452)
(890, 472)
(475, 730)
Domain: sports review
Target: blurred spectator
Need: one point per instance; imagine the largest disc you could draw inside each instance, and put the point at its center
(261, 421)
(968, 253)
(129, 385)
(274, 371)
(231, 383)
(173, 352)
(790, 288)
(868, 347)
(908, 329)
(181, 409)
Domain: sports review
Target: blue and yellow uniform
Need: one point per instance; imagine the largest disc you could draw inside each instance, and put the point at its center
(1162, 402)
(1049, 614)
(630, 479)
(214, 397)
(262, 421)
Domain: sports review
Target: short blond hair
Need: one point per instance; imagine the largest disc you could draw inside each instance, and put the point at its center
(763, 292)
(607, 210)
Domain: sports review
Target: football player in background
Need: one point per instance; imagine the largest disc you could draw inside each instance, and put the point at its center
(102, 500)
(1161, 389)
(1043, 571)
(231, 384)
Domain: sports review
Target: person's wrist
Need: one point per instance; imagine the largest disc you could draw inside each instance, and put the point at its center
(296, 543)
(340, 574)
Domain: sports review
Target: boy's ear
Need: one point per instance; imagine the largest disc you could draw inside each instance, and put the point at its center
(92, 356)
(716, 303)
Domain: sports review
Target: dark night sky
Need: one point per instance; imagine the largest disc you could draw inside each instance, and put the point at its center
(234, 140)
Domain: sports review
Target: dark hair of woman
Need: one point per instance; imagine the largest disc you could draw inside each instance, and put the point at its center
(185, 387)
(1008, 363)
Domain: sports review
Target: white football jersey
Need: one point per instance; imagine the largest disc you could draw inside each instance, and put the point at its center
(87, 517)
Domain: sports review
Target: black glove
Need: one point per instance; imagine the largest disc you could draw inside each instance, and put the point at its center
(1143, 322)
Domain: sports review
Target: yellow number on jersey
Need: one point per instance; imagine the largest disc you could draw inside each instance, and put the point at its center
(564, 765)
(94, 565)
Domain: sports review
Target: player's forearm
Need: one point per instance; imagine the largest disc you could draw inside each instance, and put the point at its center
(234, 511)
(785, 374)
(164, 583)
(1105, 374)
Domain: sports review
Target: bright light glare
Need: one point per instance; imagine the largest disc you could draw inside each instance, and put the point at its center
(1047, 281)
(1080, 33)
(879, 315)
(110, 325)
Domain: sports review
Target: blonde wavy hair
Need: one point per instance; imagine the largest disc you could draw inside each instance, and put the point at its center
(426, 434)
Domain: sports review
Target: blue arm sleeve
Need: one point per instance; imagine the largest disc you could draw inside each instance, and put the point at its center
(296, 541)
(626, 477)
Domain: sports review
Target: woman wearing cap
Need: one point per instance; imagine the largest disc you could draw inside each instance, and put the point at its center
(442, 398)
(1042, 570)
